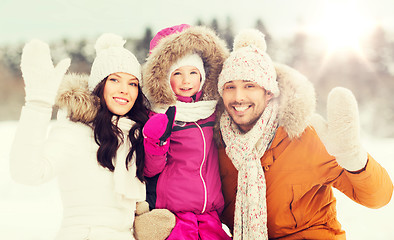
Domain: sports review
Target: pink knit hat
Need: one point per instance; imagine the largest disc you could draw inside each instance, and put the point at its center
(164, 33)
(250, 61)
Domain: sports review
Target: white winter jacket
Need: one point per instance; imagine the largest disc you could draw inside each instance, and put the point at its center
(98, 204)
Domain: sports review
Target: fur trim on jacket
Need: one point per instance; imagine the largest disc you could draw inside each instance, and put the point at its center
(297, 101)
(75, 98)
(200, 40)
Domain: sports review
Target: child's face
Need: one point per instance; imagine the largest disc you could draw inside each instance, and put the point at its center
(185, 81)
(120, 92)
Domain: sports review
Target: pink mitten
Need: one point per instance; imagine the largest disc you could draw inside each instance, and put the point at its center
(157, 130)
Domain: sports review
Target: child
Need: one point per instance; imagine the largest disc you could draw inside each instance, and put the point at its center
(182, 71)
(95, 146)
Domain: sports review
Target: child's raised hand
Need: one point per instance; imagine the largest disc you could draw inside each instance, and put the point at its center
(157, 130)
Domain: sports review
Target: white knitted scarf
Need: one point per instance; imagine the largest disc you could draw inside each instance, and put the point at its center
(126, 184)
(245, 151)
(191, 112)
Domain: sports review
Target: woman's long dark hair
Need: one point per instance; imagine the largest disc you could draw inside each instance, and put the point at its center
(107, 134)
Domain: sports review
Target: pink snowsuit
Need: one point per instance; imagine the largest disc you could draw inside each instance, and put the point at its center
(186, 179)
(189, 181)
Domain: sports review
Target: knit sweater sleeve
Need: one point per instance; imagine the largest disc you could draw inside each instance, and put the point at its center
(28, 161)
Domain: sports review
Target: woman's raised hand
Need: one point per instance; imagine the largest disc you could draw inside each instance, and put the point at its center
(41, 78)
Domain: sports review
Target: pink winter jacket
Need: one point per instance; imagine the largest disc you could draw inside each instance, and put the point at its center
(189, 179)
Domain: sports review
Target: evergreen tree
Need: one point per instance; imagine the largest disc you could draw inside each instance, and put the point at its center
(297, 49)
(215, 26)
(377, 47)
(228, 34)
(79, 60)
(141, 50)
(199, 22)
(261, 27)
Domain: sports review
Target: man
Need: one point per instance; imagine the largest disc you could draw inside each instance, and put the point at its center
(277, 172)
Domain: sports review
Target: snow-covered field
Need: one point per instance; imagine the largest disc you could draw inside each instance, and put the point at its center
(34, 213)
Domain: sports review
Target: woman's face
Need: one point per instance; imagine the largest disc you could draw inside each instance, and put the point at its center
(120, 92)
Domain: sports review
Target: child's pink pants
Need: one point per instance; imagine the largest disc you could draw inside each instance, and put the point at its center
(190, 226)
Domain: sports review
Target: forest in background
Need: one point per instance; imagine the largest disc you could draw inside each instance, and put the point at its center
(370, 76)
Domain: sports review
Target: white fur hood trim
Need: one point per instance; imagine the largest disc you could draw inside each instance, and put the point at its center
(297, 100)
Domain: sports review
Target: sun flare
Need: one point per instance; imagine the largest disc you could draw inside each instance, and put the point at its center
(342, 26)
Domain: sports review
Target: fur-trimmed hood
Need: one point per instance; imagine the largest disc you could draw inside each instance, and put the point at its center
(75, 98)
(297, 101)
(198, 39)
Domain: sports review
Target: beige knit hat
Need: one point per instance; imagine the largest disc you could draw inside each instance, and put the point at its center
(250, 61)
(112, 57)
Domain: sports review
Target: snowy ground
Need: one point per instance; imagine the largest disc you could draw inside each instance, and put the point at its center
(34, 213)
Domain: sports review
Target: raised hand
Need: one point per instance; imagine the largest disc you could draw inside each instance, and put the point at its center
(157, 130)
(41, 78)
(341, 132)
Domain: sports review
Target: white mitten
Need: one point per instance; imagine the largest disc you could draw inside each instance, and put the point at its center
(341, 132)
(41, 78)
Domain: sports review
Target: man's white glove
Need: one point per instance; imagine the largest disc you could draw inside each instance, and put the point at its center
(41, 78)
(341, 132)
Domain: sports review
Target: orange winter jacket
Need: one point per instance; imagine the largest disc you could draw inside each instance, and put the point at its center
(299, 176)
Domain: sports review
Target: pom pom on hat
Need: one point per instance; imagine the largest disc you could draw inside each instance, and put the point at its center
(111, 58)
(108, 40)
(249, 61)
(250, 37)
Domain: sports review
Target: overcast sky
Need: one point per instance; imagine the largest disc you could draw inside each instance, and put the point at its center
(22, 20)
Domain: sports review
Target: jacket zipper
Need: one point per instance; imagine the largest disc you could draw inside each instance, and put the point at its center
(202, 163)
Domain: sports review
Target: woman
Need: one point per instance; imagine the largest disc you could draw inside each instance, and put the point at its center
(95, 148)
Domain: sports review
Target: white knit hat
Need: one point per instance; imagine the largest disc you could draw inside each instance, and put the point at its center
(250, 61)
(111, 58)
(189, 60)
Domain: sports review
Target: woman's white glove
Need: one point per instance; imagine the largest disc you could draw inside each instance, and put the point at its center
(341, 132)
(41, 78)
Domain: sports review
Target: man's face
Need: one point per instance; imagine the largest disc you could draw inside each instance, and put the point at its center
(244, 101)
